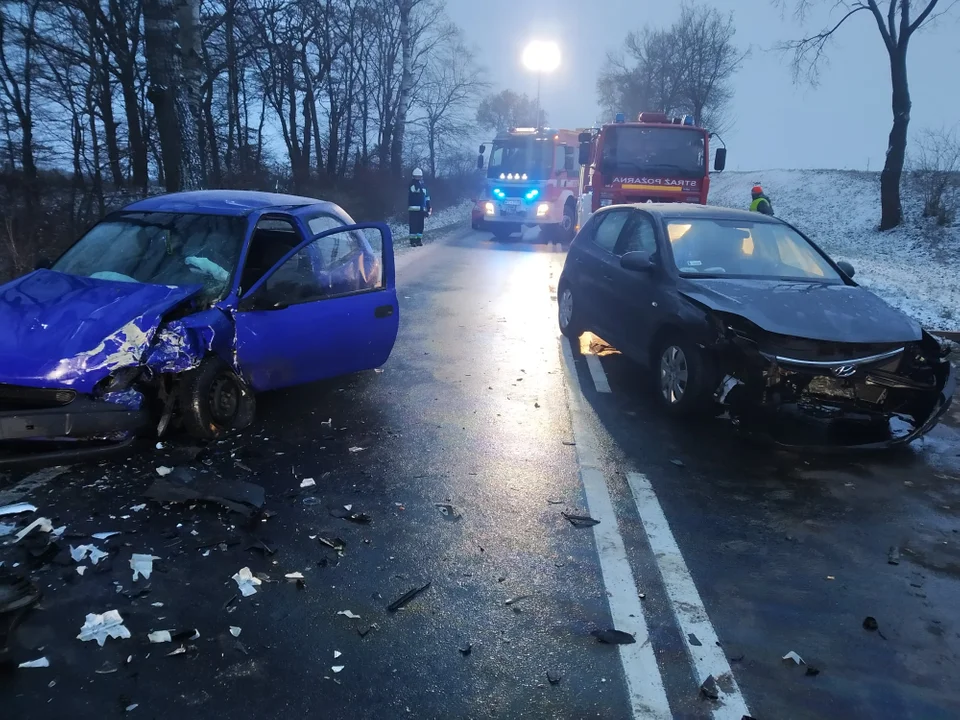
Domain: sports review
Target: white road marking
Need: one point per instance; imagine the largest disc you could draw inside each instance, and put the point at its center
(708, 657)
(648, 699)
(597, 373)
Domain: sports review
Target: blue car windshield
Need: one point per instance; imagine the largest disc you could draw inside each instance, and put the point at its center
(161, 249)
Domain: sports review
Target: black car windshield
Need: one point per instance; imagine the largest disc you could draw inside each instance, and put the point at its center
(521, 155)
(161, 249)
(653, 151)
(746, 249)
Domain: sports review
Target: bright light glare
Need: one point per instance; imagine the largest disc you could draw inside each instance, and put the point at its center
(541, 56)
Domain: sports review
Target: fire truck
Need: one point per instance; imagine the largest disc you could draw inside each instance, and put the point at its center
(655, 159)
(532, 180)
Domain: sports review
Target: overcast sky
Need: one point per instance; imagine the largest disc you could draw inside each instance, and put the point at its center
(842, 123)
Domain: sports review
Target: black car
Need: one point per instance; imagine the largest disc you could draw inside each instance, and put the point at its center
(740, 310)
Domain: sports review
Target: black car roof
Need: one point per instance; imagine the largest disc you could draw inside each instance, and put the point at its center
(691, 210)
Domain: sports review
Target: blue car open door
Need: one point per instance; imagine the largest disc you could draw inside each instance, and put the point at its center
(328, 307)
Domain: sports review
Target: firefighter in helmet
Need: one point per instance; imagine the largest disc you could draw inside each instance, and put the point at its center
(418, 203)
(761, 203)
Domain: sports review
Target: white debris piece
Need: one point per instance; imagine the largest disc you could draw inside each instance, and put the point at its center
(38, 663)
(142, 565)
(307, 482)
(246, 582)
(99, 627)
(131, 708)
(17, 509)
(294, 576)
(80, 553)
(348, 508)
(159, 636)
(349, 614)
(156, 604)
(337, 668)
(336, 654)
(793, 657)
(81, 570)
(6, 529)
(355, 449)
(41, 524)
(105, 535)
(138, 508)
(327, 423)
(235, 631)
(163, 471)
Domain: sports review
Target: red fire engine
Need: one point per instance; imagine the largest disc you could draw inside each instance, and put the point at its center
(531, 180)
(652, 160)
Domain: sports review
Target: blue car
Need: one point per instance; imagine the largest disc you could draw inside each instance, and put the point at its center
(178, 309)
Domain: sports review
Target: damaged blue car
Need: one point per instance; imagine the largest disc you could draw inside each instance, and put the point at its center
(178, 309)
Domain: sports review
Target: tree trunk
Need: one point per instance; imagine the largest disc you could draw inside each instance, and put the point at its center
(891, 210)
(193, 169)
(406, 88)
(125, 53)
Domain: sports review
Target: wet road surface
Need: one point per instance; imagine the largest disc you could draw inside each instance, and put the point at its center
(719, 555)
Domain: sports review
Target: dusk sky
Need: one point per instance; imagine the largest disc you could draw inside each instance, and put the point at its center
(843, 123)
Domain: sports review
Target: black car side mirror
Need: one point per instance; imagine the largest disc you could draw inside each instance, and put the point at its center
(846, 267)
(637, 260)
(720, 160)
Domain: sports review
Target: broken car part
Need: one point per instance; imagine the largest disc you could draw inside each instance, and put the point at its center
(613, 637)
(580, 521)
(406, 597)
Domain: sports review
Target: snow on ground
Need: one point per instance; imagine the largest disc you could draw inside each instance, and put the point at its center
(458, 214)
(913, 267)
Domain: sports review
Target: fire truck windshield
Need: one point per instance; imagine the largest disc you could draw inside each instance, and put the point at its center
(521, 155)
(653, 151)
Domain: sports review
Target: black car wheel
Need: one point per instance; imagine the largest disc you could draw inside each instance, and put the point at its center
(680, 375)
(567, 313)
(214, 401)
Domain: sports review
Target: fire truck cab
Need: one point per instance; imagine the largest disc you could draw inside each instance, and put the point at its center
(654, 159)
(532, 180)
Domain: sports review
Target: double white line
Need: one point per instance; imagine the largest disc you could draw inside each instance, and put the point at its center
(648, 697)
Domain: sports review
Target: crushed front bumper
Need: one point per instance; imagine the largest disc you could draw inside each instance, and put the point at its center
(84, 427)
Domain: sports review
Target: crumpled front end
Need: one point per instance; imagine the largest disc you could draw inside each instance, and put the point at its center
(808, 393)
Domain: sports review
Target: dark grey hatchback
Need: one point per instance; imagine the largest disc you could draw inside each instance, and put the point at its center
(742, 311)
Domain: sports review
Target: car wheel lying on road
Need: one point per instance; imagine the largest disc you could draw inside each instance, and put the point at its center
(567, 314)
(214, 401)
(680, 375)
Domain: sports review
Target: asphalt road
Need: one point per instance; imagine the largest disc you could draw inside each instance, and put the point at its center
(719, 555)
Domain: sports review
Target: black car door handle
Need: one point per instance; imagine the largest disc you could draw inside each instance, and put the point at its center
(383, 311)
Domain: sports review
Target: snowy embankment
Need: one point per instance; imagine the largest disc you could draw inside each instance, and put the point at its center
(458, 214)
(914, 267)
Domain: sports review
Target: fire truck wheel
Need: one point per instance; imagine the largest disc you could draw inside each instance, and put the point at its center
(568, 224)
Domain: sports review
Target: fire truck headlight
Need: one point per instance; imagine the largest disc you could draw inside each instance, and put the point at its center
(488, 208)
(543, 209)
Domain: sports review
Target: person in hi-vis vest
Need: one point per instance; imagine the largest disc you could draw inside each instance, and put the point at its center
(418, 203)
(761, 203)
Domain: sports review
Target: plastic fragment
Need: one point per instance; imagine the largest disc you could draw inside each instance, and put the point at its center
(336, 654)
(709, 688)
(870, 623)
(17, 509)
(160, 636)
(80, 553)
(406, 597)
(294, 576)
(246, 582)
(580, 521)
(355, 449)
(138, 508)
(131, 708)
(793, 657)
(308, 482)
(349, 614)
(101, 626)
(235, 631)
(41, 524)
(337, 668)
(163, 471)
(614, 637)
(38, 663)
(104, 535)
(142, 565)
(81, 570)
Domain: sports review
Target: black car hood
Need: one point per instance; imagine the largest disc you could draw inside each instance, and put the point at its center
(815, 311)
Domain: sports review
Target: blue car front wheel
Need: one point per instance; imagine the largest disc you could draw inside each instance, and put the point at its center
(214, 400)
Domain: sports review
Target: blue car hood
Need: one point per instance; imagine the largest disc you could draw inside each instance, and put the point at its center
(66, 331)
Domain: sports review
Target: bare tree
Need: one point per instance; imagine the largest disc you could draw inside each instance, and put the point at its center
(935, 171)
(507, 109)
(897, 21)
(683, 69)
(452, 82)
(173, 90)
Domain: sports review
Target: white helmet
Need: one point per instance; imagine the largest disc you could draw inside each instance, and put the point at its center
(417, 173)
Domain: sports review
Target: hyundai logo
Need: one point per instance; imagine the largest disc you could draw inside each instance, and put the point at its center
(844, 371)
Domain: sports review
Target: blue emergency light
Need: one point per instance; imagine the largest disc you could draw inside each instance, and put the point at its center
(687, 120)
(620, 118)
(499, 193)
(532, 194)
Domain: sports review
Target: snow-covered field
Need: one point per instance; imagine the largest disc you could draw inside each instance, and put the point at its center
(914, 267)
(454, 215)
